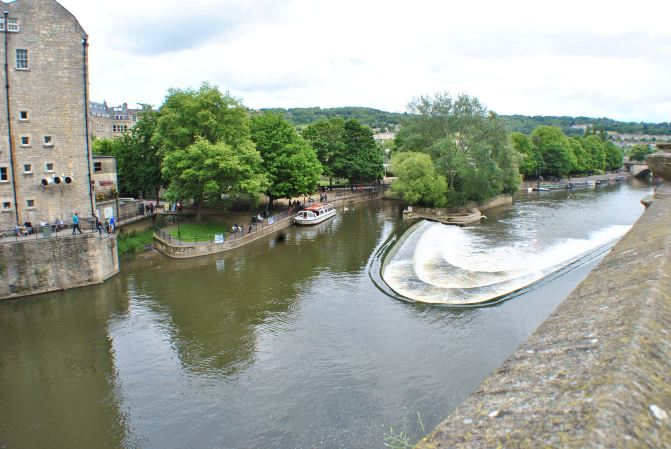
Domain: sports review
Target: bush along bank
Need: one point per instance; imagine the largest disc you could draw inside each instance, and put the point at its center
(134, 242)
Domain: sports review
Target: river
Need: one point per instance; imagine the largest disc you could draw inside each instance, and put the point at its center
(289, 342)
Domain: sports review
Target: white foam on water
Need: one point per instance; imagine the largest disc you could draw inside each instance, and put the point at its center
(453, 265)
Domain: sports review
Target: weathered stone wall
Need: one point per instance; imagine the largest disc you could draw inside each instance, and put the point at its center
(37, 266)
(597, 372)
(50, 92)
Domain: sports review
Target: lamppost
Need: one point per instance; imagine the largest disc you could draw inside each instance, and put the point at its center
(179, 220)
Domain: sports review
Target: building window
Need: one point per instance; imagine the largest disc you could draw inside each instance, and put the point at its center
(13, 25)
(120, 117)
(119, 128)
(21, 59)
(97, 167)
(134, 118)
(48, 142)
(23, 116)
(30, 204)
(27, 169)
(49, 166)
(25, 141)
(4, 177)
(6, 205)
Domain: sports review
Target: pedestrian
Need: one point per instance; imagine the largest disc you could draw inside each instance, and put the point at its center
(112, 225)
(75, 224)
(99, 225)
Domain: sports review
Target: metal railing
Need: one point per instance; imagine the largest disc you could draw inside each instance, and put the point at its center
(226, 234)
(25, 233)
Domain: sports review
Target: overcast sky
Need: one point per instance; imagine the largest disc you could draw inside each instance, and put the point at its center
(589, 57)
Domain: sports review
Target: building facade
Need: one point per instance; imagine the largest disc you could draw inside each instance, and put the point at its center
(110, 122)
(45, 157)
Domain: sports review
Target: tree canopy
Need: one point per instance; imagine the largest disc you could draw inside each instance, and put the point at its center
(289, 161)
(207, 172)
(468, 144)
(138, 161)
(553, 146)
(189, 114)
(417, 181)
(639, 152)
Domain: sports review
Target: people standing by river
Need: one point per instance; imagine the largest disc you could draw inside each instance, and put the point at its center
(75, 224)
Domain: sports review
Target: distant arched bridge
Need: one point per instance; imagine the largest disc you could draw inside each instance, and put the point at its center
(636, 168)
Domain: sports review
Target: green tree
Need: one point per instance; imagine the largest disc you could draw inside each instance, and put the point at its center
(362, 160)
(326, 136)
(594, 146)
(417, 181)
(289, 161)
(468, 144)
(205, 172)
(582, 160)
(614, 157)
(529, 159)
(554, 148)
(138, 161)
(637, 152)
(103, 147)
(189, 114)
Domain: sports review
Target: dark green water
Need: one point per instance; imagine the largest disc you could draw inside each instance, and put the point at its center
(280, 344)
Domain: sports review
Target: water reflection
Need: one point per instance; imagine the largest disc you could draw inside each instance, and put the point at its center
(58, 381)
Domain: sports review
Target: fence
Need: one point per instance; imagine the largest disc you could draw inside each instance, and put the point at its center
(22, 233)
(208, 239)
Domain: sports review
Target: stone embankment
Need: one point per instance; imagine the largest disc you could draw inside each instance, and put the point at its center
(597, 372)
(174, 248)
(606, 177)
(469, 214)
(33, 266)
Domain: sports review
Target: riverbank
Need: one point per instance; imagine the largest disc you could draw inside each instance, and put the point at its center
(469, 214)
(564, 182)
(165, 242)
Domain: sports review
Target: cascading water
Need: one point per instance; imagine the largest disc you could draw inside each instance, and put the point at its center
(536, 238)
(436, 263)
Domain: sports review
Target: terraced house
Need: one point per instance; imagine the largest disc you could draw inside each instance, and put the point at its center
(45, 143)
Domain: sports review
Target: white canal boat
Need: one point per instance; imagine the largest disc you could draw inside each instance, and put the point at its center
(315, 214)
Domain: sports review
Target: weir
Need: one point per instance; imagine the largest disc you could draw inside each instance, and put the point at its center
(597, 372)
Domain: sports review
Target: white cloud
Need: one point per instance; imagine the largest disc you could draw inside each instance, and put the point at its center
(555, 58)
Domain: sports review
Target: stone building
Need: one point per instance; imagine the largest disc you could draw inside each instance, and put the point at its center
(45, 158)
(111, 121)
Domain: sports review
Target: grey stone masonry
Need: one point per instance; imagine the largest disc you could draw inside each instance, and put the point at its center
(41, 265)
(47, 61)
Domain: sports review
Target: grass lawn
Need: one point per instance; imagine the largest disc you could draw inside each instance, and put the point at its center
(192, 232)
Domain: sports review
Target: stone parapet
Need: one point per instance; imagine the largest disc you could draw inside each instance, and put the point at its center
(597, 372)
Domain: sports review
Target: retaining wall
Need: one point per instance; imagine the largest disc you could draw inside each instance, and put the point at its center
(185, 250)
(31, 267)
(597, 372)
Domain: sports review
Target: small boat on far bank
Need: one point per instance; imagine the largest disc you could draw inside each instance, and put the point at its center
(315, 214)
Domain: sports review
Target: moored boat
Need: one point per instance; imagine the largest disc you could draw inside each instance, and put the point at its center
(315, 214)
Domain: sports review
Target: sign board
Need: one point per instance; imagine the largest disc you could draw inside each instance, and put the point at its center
(218, 238)
(109, 212)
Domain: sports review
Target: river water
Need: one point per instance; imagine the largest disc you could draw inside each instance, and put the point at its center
(289, 342)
